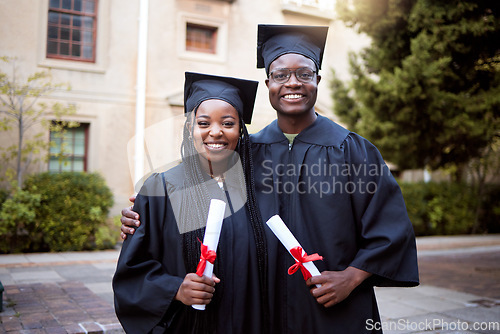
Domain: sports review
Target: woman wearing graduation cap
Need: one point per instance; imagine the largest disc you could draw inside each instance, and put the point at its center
(155, 282)
(334, 192)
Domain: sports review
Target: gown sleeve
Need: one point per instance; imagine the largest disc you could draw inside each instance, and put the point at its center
(386, 239)
(144, 292)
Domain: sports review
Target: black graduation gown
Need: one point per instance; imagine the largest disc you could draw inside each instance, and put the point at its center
(336, 195)
(151, 268)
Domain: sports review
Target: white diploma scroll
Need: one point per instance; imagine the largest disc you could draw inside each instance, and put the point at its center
(288, 240)
(212, 234)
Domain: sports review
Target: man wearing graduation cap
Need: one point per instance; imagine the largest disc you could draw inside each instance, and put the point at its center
(333, 190)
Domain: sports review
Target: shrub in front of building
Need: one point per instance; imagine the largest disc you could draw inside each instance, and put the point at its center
(4, 194)
(490, 208)
(71, 214)
(17, 219)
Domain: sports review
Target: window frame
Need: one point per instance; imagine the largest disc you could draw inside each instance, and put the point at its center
(219, 24)
(70, 158)
(73, 12)
(212, 30)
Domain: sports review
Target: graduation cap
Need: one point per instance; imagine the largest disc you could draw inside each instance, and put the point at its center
(239, 93)
(276, 40)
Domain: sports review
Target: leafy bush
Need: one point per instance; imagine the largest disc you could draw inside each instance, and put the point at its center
(3, 196)
(17, 219)
(107, 234)
(73, 206)
(71, 214)
(450, 208)
(490, 209)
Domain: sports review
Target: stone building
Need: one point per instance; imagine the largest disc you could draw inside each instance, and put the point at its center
(125, 62)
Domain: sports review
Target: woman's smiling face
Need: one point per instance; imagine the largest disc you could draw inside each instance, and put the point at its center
(216, 130)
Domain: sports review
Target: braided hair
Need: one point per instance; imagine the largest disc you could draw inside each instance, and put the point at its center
(196, 204)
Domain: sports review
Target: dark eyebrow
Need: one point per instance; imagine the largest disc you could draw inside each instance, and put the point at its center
(292, 68)
(206, 116)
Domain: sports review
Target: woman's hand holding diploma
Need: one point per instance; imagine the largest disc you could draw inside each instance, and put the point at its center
(196, 290)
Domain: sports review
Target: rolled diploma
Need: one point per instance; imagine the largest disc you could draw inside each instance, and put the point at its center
(288, 240)
(212, 234)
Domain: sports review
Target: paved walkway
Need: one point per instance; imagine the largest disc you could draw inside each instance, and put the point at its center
(71, 292)
(58, 293)
(459, 291)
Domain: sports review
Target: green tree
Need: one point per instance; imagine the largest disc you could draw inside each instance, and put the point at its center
(21, 109)
(427, 90)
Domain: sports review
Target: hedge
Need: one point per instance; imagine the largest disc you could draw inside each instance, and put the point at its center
(445, 208)
(68, 211)
(59, 212)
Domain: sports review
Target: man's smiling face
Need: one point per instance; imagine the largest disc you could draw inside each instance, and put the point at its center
(293, 97)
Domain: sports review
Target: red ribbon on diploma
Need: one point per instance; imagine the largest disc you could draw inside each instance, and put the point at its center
(300, 259)
(206, 255)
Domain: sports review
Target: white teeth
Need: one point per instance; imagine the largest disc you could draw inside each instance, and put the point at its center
(215, 146)
(292, 96)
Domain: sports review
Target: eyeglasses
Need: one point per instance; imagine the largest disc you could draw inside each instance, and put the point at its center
(282, 75)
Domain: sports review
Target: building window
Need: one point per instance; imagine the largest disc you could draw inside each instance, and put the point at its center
(68, 150)
(71, 32)
(201, 38)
